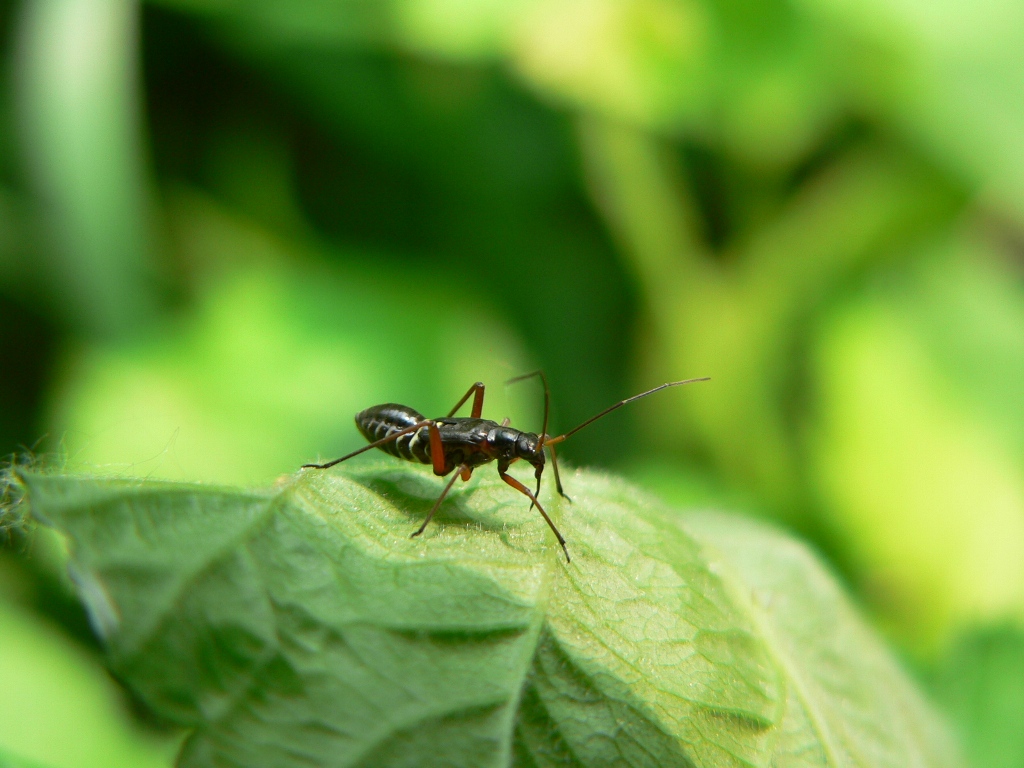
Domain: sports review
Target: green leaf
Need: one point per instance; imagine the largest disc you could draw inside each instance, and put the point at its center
(848, 703)
(301, 625)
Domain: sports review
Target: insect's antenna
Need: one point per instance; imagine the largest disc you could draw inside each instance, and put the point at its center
(555, 440)
(547, 394)
(544, 429)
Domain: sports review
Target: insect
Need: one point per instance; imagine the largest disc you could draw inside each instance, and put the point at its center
(460, 445)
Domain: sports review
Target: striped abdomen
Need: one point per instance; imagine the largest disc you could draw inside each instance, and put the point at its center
(382, 421)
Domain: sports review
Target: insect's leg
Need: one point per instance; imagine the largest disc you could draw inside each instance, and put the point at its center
(477, 391)
(374, 444)
(558, 480)
(538, 473)
(529, 494)
(437, 456)
(448, 486)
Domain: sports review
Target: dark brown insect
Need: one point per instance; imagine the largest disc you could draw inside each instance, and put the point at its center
(462, 444)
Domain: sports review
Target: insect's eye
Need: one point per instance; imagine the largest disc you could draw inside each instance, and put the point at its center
(525, 446)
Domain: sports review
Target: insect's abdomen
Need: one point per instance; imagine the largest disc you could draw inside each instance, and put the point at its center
(382, 421)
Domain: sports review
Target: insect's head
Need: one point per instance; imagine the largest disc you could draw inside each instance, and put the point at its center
(511, 444)
(530, 447)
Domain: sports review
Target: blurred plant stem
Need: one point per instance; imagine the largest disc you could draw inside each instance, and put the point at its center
(77, 75)
(14, 241)
(739, 316)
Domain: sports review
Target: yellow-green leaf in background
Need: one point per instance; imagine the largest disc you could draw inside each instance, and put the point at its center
(917, 442)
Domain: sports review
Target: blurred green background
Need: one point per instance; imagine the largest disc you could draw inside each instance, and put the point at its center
(225, 227)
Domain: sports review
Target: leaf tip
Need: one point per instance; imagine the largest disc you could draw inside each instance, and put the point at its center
(14, 519)
(17, 472)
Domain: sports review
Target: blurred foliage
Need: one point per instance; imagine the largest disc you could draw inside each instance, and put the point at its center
(917, 447)
(979, 683)
(277, 355)
(60, 708)
(225, 227)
